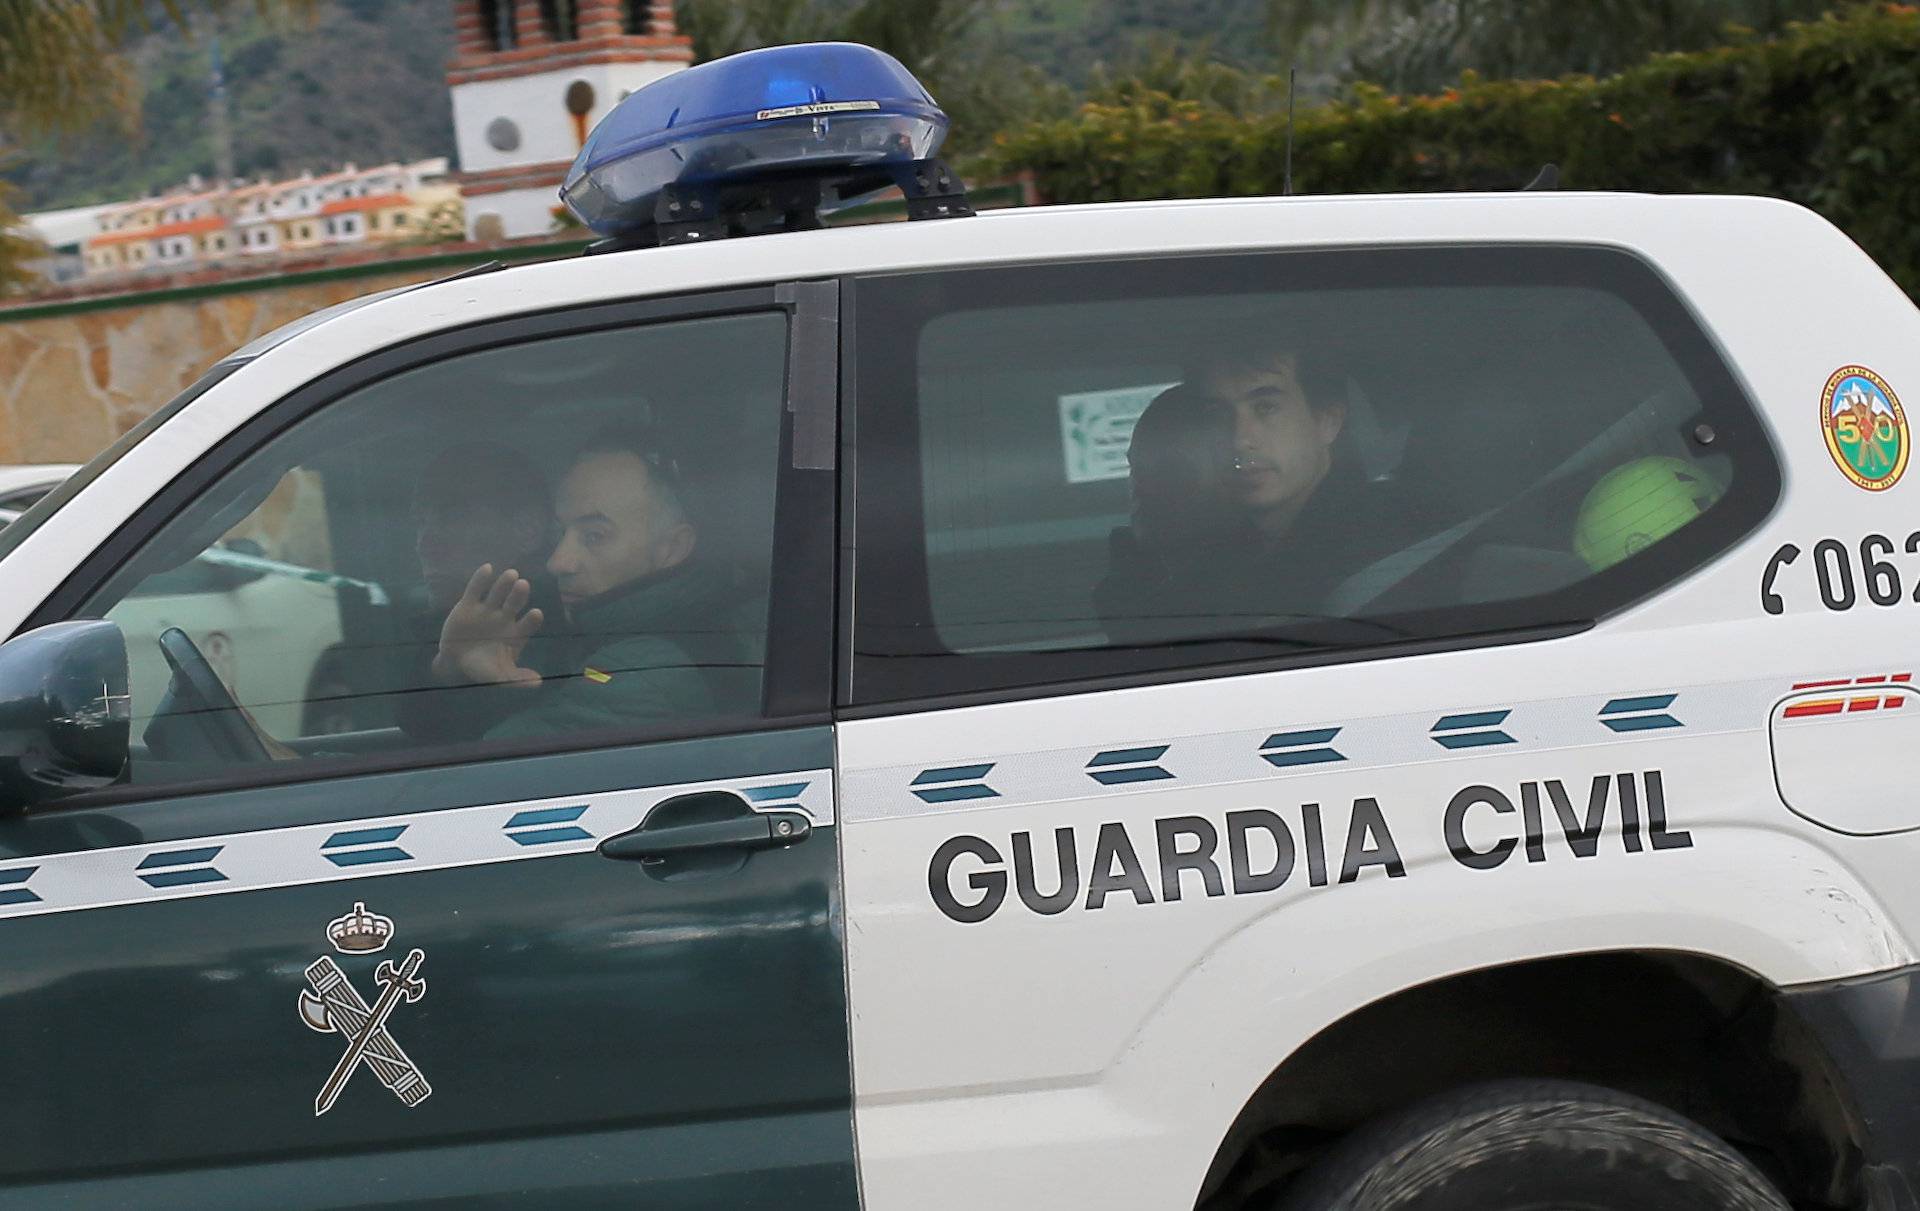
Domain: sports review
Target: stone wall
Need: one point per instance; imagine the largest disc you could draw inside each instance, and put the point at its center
(69, 384)
(76, 373)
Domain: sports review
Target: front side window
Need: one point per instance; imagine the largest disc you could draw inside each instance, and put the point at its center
(1080, 470)
(519, 545)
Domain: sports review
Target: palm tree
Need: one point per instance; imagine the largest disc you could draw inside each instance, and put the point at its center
(1414, 45)
(61, 70)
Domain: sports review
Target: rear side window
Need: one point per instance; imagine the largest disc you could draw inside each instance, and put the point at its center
(1075, 471)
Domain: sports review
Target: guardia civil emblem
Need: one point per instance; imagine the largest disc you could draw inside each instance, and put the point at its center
(331, 1004)
(1866, 428)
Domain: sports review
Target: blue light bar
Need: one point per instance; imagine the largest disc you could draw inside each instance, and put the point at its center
(763, 113)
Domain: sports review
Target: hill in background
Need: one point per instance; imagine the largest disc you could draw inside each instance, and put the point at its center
(365, 83)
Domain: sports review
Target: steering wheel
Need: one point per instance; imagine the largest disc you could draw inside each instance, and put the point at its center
(198, 718)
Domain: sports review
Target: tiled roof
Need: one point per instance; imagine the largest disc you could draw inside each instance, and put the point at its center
(378, 201)
(212, 222)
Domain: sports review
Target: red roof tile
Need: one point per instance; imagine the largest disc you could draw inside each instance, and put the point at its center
(378, 201)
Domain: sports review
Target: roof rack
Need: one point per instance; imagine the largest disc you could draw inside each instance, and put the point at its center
(791, 201)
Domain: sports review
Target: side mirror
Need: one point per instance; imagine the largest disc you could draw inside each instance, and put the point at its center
(64, 713)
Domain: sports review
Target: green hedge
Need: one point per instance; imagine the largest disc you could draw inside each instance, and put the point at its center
(1827, 114)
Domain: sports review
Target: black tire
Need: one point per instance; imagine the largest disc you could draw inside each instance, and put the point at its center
(1532, 1146)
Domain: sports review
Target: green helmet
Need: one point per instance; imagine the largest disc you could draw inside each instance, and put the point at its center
(1637, 505)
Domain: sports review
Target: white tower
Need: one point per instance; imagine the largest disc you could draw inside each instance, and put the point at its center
(529, 79)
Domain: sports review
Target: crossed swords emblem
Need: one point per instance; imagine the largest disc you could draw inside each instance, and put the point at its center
(332, 1005)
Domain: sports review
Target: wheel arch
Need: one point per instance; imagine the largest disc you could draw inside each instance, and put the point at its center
(1700, 1035)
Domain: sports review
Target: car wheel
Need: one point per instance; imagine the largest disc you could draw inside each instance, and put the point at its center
(1533, 1146)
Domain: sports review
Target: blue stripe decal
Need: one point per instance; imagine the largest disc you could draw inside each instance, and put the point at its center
(1487, 721)
(471, 837)
(770, 794)
(1651, 702)
(953, 794)
(547, 836)
(1318, 735)
(364, 836)
(953, 773)
(1473, 739)
(1129, 756)
(545, 815)
(1310, 756)
(1117, 777)
(1640, 714)
(180, 857)
(1641, 723)
(926, 789)
(180, 878)
(363, 857)
(1476, 719)
(1308, 747)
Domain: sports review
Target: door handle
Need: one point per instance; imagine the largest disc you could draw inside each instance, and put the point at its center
(758, 830)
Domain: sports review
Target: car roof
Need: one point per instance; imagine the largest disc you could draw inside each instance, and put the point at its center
(1109, 229)
(1691, 226)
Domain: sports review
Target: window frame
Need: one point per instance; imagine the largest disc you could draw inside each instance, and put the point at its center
(881, 449)
(797, 686)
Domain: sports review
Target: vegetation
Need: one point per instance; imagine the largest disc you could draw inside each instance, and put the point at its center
(361, 81)
(1102, 98)
(1423, 45)
(1825, 114)
(62, 70)
(958, 49)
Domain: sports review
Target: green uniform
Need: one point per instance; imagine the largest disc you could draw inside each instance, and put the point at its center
(664, 648)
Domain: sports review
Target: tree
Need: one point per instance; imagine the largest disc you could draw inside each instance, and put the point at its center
(61, 70)
(952, 46)
(1422, 45)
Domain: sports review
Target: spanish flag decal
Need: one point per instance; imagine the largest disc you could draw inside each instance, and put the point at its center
(596, 676)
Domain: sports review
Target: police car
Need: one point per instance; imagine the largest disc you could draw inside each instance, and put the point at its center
(1390, 702)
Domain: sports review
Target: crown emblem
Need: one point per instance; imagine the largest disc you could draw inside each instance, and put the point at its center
(360, 931)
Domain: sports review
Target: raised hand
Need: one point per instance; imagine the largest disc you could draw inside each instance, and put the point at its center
(485, 632)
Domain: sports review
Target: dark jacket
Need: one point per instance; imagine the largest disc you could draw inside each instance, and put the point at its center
(1235, 579)
(665, 648)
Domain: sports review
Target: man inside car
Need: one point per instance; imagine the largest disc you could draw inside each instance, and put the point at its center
(1244, 515)
(645, 629)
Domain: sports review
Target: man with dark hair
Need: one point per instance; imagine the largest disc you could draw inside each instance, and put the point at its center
(1286, 409)
(1242, 513)
(643, 614)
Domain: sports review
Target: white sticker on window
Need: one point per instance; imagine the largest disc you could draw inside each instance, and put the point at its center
(1095, 428)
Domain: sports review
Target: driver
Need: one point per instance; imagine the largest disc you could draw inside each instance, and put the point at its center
(640, 605)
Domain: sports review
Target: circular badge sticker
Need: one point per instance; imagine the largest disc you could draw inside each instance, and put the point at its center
(1866, 429)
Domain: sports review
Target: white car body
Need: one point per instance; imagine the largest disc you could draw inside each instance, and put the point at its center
(22, 484)
(1098, 1059)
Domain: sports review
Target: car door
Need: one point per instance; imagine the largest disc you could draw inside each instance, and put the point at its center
(572, 941)
(1199, 679)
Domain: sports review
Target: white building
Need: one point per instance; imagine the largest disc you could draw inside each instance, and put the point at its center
(529, 79)
(198, 225)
